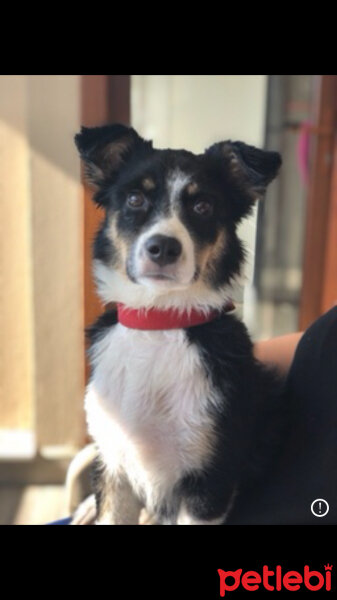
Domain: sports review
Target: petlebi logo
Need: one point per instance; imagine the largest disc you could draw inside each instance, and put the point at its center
(276, 579)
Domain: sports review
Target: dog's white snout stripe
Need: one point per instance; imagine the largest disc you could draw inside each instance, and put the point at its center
(177, 180)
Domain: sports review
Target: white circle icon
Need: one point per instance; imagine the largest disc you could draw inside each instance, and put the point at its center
(319, 507)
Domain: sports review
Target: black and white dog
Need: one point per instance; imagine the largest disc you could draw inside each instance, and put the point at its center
(182, 414)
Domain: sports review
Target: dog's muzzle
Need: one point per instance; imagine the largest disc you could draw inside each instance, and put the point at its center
(162, 259)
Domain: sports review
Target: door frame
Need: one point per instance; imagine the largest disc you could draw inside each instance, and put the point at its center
(319, 283)
(105, 99)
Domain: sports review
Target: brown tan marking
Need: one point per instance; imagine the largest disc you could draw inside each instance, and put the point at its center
(148, 184)
(112, 154)
(120, 245)
(207, 257)
(192, 188)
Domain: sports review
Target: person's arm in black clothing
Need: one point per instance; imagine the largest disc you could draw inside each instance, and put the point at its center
(306, 469)
(278, 351)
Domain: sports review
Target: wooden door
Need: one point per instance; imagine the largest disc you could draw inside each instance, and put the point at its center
(319, 288)
(105, 99)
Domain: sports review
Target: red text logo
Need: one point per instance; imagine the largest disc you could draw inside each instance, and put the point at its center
(275, 580)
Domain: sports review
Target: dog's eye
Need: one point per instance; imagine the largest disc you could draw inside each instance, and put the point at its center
(136, 200)
(203, 208)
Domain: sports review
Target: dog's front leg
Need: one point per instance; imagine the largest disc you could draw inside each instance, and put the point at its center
(116, 503)
(206, 503)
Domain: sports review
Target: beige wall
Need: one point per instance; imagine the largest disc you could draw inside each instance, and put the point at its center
(194, 111)
(41, 259)
(16, 307)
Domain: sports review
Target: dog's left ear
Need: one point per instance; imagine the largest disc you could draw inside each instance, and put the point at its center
(250, 169)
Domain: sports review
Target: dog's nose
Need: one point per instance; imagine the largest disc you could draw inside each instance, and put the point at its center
(163, 250)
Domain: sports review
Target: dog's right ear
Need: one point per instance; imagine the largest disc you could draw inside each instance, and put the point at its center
(105, 149)
(250, 170)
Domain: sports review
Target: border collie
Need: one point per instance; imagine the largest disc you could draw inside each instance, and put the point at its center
(183, 416)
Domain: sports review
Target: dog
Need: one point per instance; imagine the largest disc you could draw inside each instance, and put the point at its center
(182, 415)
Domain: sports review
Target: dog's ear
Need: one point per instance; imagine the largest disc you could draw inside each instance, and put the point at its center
(105, 149)
(250, 169)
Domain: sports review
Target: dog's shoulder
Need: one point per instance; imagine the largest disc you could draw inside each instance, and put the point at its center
(226, 338)
(228, 355)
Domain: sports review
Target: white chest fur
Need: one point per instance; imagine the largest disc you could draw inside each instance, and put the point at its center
(146, 407)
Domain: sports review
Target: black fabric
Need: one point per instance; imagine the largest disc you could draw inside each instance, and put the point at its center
(307, 467)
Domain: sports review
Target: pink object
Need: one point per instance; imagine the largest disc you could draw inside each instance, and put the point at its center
(303, 151)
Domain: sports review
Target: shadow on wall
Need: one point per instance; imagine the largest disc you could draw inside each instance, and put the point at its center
(45, 109)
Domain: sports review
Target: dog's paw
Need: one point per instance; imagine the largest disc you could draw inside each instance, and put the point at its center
(85, 514)
(145, 518)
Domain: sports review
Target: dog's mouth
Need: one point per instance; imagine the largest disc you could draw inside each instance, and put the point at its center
(168, 280)
(159, 276)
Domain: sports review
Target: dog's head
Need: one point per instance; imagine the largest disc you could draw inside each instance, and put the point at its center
(169, 233)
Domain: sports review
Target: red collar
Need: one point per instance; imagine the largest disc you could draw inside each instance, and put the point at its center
(155, 318)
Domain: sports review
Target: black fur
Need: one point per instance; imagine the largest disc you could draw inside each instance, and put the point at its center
(253, 420)
(97, 330)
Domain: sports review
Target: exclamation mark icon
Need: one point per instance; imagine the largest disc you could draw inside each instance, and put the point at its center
(319, 507)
